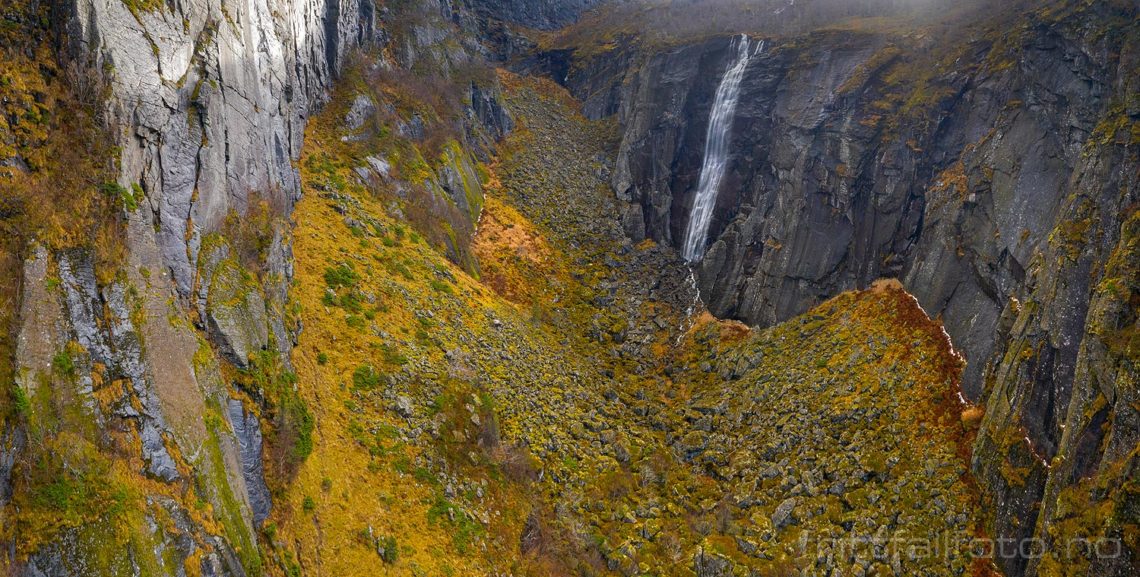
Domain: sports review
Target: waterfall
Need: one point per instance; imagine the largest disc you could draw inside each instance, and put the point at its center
(716, 149)
(687, 321)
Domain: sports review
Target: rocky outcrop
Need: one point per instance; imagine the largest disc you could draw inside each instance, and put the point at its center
(1000, 193)
(88, 384)
(232, 305)
(992, 178)
(247, 428)
(711, 565)
(489, 113)
(83, 552)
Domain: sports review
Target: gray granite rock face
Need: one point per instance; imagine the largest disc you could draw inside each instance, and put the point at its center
(488, 110)
(85, 317)
(128, 361)
(207, 102)
(11, 442)
(247, 427)
(362, 108)
(232, 305)
(211, 103)
(77, 278)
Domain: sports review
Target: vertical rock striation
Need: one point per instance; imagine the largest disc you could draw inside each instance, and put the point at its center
(207, 102)
(210, 100)
(717, 142)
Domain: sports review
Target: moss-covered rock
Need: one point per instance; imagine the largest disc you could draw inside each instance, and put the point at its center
(232, 301)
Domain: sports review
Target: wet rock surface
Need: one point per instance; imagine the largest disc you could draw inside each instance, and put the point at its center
(1005, 201)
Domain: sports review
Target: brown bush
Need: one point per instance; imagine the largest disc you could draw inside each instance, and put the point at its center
(517, 463)
(550, 550)
(251, 234)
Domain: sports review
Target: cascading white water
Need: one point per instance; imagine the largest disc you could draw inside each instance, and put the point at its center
(716, 149)
(687, 321)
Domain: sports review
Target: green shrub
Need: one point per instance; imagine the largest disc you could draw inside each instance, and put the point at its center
(365, 378)
(63, 364)
(21, 405)
(301, 422)
(341, 276)
(76, 492)
(126, 195)
(443, 287)
(61, 494)
(293, 423)
(463, 529)
(387, 548)
(351, 302)
(392, 357)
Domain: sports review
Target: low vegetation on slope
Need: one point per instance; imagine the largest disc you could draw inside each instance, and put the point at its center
(557, 412)
(54, 164)
(489, 378)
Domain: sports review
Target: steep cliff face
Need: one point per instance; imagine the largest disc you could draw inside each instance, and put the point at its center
(123, 451)
(211, 100)
(991, 168)
(155, 424)
(826, 190)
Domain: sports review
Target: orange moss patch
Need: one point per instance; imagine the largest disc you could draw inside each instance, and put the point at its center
(513, 258)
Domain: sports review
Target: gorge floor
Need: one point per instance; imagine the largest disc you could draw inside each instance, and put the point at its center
(559, 412)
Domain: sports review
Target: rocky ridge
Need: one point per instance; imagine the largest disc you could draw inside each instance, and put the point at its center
(541, 14)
